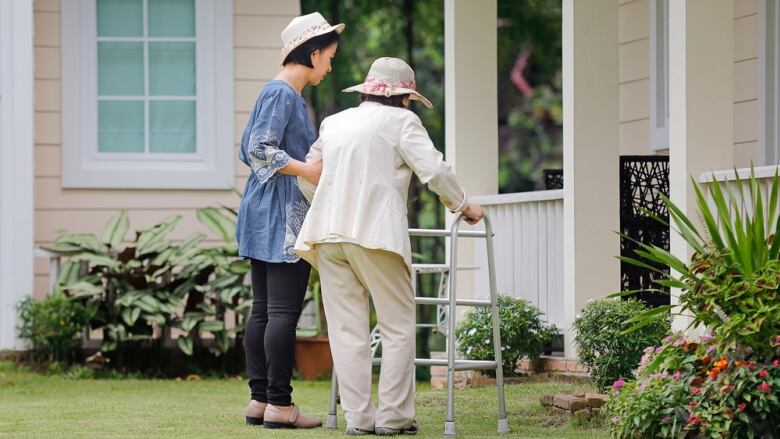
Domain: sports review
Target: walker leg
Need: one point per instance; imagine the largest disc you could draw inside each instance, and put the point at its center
(332, 422)
(503, 422)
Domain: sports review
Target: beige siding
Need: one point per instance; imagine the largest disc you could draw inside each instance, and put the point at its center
(745, 82)
(634, 51)
(634, 77)
(257, 24)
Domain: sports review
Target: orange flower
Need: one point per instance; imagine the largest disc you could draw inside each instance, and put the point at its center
(722, 363)
(714, 372)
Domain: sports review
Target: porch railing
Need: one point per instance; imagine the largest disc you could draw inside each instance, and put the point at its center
(738, 183)
(528, 249)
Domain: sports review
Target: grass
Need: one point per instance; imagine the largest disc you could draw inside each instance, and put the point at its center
(36, 405)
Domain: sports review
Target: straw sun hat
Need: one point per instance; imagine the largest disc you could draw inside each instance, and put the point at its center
(302, 29)
(389, 77)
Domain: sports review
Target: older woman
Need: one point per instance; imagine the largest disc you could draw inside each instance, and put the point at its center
(356, 234)
(274, 145)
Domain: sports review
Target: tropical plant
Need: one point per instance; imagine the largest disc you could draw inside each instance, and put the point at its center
(726, 384)
(732, 282)
(151, 283)
(601, 347)
(523, 333)
(219, 287)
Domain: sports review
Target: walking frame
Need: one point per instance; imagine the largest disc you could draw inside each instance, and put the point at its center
(447, 303)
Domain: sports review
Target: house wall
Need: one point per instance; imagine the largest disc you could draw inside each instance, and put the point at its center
(634, 77)
(256, 28)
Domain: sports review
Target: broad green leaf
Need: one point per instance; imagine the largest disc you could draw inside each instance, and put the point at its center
(99, 260)
(116, 229)
(185, 344)
(211, 326)
(214, 220)
(81, 288)
(155, 235)
(130, 315)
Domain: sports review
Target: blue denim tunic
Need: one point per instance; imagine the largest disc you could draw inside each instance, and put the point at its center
(273, 208)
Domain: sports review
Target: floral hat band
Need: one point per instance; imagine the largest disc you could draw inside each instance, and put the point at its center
(386, 88)
(302, 29)
(390, 77)
(317, 29)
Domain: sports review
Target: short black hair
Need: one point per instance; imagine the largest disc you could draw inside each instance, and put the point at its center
(302, 54)
(390, 101)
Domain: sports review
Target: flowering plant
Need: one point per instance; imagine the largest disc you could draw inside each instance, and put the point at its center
(697, 391)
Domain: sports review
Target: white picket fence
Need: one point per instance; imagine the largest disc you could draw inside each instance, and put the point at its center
(528, 242)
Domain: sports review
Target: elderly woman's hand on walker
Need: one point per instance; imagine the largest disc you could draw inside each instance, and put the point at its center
(473, 213)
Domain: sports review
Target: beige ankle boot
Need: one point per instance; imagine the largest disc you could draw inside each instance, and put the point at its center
(277, 416)
(255, 412)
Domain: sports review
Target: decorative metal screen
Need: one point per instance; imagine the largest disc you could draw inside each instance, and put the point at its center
(642, 178)
(553, 179)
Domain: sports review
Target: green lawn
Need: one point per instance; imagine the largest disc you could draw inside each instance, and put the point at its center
(34, 405)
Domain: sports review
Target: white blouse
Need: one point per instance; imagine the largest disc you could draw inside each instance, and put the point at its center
(368, 154)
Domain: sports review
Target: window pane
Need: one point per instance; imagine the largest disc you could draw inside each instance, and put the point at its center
(171, 18)
(121, 126)
(119, 18)
(172, 69)
(120, 69)
(172, 126)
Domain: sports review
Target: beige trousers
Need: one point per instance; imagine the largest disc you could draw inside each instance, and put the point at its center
(348, 273)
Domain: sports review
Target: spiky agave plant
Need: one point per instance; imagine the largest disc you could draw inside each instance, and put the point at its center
(731, 285)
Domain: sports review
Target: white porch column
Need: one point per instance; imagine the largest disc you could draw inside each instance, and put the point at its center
(16, 163)
(701, 90)
(590, 155)
(471, 108)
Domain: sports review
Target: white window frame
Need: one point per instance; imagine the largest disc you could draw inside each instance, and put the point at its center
(769, 83)
(210, 167)
(659, 75)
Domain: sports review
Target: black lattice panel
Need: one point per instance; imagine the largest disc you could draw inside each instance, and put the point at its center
(642, 178)
(553, 179)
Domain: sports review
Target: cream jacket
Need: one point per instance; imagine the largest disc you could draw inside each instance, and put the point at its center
(368, 154)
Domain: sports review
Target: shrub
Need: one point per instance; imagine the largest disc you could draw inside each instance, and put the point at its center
(52, 325)
(523, 333)
(606, 352)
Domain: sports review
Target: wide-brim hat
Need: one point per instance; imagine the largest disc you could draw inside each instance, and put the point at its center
(303, 28)
(390, 77)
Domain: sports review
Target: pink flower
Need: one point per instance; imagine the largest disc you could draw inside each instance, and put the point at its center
(677, 375)
(763, 373)
(618, 384)
(765, 387)
(665, 420)
(695, 390)
(776, 363)
(659, 349)
(741, 407)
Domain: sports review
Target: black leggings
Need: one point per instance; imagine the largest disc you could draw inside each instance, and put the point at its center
(278, 290)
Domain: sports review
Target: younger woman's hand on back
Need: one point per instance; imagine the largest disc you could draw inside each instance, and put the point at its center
(313, 171)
